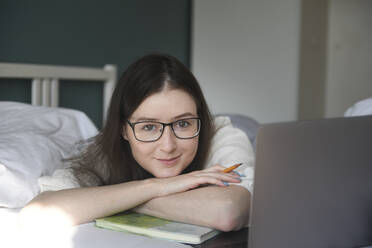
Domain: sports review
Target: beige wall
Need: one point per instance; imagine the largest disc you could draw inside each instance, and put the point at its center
(283, 60)
(245, 55)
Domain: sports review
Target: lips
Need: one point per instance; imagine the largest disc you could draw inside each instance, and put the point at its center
(169, 161)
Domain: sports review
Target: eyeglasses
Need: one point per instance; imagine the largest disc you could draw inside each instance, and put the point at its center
(149, 131)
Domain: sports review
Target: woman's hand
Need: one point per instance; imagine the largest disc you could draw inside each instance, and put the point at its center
(212, 175)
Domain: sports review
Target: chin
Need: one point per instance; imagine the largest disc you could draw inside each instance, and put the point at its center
(167, 173)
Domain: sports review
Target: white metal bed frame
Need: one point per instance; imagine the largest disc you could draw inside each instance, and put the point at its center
(45, 80)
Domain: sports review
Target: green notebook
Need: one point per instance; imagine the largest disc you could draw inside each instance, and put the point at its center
(155, 227)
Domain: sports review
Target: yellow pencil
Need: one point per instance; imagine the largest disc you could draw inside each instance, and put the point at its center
(231, 168)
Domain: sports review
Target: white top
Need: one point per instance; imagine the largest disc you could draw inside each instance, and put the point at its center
(230, 145)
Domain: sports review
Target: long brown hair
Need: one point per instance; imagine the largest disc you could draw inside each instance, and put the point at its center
(109, 155)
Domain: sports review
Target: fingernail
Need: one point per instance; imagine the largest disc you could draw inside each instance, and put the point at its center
(226, 183)
(239, 174)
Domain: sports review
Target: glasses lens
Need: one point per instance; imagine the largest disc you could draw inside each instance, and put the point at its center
(186, 128)
(148, 131)
(151, 131)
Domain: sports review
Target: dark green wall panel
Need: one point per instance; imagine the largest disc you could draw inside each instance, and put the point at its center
(18, 90)
(76, 95)
(90, 33)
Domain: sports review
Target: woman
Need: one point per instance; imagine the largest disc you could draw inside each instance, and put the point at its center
(159, 153)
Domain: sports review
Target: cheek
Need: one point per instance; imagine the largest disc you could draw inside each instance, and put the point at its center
(191, 148)
(140, 151)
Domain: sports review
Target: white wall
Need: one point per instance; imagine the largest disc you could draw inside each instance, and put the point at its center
(349, 76)
(245, 56)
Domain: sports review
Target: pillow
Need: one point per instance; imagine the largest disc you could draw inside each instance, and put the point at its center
(33, 141)
(363, 107)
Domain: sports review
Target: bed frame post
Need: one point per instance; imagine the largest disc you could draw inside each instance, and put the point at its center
(108, 88)
(54, 93)
(36, 92)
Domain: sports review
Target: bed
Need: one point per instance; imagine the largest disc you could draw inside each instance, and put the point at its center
(34, 137)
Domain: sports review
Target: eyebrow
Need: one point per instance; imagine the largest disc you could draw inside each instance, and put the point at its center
(187, 114)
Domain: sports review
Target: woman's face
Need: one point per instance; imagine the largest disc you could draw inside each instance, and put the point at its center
(169, 155)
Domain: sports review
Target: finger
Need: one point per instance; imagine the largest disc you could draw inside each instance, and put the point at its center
(222, 176)
(216, 167)
(198, 181)
(215, 181)
(238, 173)
(220, 168)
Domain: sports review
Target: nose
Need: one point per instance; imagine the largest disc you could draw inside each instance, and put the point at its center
(168, 140)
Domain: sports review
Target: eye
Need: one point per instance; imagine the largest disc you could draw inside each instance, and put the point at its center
(148, 127)
(183, 124)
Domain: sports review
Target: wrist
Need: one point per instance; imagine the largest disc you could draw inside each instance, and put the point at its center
(155, 186)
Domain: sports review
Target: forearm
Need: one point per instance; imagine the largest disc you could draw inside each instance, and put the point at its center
(76, 206)
(224, 208)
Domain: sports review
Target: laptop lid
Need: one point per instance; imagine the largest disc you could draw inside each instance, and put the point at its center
(313, 184)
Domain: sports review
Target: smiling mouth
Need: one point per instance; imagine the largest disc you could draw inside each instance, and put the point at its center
(170, 161)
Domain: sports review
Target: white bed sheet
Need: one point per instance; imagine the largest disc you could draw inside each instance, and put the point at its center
(81, 236)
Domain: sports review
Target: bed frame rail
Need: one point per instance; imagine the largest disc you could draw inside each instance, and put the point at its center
(45, 80)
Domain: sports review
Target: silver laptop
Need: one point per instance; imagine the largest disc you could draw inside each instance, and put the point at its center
(313, 185)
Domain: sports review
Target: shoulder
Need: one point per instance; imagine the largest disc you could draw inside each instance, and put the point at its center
(221, 121)
(246, 124)
(226, 131)
(68, 178)
(229, 144)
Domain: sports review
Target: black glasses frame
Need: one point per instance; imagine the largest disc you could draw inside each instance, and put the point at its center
(133, 124)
